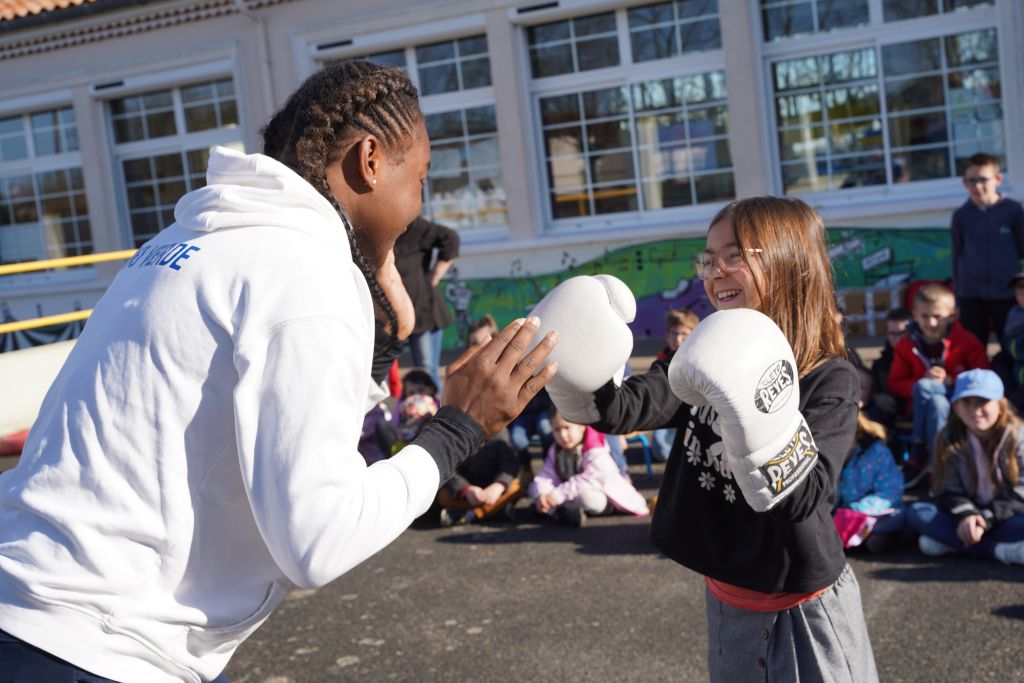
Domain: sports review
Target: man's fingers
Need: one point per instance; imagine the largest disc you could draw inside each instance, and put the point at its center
(467, 355)
(501, 340)
(515, 349)
(530, 363)
(534, 384)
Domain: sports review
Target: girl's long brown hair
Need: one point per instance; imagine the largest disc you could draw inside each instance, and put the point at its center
(799, 294)
(953, 439)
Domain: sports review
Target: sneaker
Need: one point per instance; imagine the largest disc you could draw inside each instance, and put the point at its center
(451, 518)
(574, 516)
(932, 548)
(508, 513)
(1010, 553)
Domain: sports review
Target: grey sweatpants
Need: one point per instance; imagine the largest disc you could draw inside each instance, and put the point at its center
(822, 640)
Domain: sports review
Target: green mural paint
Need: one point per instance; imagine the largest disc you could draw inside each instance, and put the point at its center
(661, 275)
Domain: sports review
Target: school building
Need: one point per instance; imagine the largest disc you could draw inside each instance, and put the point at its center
(568, 136)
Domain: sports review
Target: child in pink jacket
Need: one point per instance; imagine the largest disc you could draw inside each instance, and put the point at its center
(580, 477)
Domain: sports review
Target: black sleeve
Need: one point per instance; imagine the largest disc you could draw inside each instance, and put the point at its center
(383, 354)
(641, 402)
(831, 414)
(445, 240)
(450, 437)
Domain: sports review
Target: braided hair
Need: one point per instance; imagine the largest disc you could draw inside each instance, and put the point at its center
(342, 100)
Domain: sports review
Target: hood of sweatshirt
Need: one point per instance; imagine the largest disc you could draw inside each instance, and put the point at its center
(243, 190)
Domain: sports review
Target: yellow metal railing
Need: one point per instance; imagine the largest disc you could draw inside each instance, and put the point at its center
(47, 264)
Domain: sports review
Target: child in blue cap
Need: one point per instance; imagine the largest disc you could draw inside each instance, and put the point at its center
(978, 477)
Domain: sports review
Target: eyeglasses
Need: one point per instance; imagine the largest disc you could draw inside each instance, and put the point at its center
(729, 261)
(978, 180)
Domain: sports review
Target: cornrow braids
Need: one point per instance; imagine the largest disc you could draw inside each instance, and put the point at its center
(342, 100)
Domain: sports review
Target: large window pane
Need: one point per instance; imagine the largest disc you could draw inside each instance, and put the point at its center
(941, 95)
(580, 44)
(209, 105)
(44, 215)
(894, 10)
(787, 18)
(644, 147)
(464, 187)
(453, 65)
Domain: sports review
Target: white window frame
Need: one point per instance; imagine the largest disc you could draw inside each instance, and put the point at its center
(917, 196)
(172, 80)
(33, 165)
(313, 53)
(638, 223)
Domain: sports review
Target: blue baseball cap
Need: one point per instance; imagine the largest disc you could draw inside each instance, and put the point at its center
(981, 383)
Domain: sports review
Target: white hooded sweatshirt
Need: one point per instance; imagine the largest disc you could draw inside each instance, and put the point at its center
(196, 456)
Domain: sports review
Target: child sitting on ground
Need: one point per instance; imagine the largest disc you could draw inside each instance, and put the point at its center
(480, 331)
(580, 477)
(869, 497)
(925, 366)
(679, 322)
(978, 478)
(407, 411)
(1011, 369)
(484, 486)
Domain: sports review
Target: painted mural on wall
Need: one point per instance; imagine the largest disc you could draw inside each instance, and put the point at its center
(661, 276)
(659, 273)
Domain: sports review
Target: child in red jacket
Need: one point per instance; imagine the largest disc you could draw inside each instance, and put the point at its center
(925, 365)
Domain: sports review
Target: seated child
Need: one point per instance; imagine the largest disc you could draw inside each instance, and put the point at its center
(480, 331)
(417, 382)
(580, 478)
(869, 497)
(925, 365)
(1012, 357)
(484, 486)
(413, 413)
(978, 478)
(679, 322)
(897, 321)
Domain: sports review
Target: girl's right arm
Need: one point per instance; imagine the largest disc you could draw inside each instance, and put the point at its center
(641, 402)
(953, 496)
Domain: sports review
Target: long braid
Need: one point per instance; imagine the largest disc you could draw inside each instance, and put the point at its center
(342, 100)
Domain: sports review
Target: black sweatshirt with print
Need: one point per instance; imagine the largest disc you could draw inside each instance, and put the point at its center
(702, 520)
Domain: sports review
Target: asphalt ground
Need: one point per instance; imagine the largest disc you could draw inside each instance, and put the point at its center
(536, 601)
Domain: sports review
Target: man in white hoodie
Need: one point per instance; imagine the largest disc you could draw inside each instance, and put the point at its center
(196, 456)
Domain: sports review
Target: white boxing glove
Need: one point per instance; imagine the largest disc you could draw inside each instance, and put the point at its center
(590, 314)
(740, 363)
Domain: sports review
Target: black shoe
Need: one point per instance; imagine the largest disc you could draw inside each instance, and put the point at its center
(574, 516)
(508, 513)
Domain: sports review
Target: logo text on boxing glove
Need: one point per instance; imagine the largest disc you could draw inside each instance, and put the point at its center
(775, 386)
(795, 459)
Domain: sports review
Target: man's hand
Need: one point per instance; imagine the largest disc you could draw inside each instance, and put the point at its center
(937, 373)
(492, 382)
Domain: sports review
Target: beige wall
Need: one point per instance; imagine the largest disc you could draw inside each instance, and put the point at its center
(267, 52)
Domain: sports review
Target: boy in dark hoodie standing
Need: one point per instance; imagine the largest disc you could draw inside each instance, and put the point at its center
(988, 244)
